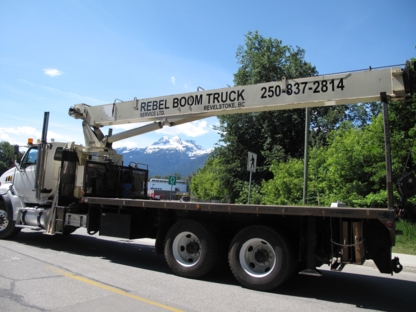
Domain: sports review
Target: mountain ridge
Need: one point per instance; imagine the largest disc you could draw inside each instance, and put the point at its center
(167, 156)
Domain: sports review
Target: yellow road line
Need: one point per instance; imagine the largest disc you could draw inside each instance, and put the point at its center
(114, 290)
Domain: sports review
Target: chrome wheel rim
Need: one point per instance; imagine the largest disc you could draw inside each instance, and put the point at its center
(186, 249)
(257, 257)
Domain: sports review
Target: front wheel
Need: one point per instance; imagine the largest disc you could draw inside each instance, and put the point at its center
(7, 225)
(191, 249)
(260, 258)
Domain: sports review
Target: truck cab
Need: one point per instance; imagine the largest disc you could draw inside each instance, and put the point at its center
(23, 176)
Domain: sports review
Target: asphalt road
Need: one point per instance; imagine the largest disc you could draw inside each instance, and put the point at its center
(91, 273)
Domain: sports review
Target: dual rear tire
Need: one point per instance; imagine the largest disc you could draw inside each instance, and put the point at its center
(259, 257)
(191, 249)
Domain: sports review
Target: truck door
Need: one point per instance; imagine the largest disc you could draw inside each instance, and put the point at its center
(24, 180)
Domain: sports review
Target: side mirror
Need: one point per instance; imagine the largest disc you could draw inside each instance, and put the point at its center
(16, 154)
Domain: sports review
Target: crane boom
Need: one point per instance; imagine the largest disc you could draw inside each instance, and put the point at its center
(335, 89)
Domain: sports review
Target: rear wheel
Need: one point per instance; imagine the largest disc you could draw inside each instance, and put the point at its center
(191, 249)
(260, 258)
(7, 225)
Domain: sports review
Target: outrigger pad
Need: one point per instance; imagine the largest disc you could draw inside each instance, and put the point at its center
(396, 267)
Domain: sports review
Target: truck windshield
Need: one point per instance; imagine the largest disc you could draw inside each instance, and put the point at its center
(31, 156)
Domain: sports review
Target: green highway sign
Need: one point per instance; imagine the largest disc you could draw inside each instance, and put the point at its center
(172, 180)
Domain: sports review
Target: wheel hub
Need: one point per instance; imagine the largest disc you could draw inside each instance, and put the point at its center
(186, 249)
(192, 248)
(4, 221)
(261, 256)
(257, 257)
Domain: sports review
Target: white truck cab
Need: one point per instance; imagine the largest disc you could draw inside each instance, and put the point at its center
(22, 195)
(24, 174)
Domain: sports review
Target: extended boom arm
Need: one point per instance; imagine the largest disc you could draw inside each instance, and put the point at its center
(336, 89)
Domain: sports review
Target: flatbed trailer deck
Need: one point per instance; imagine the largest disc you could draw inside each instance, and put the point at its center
(318, 235)
(382, 214)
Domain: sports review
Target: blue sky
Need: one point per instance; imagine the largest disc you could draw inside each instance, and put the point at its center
(54, 54)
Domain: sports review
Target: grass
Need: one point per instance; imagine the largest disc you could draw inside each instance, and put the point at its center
(406, 243)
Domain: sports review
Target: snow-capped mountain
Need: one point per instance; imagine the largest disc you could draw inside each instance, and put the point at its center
(176, 144)
(167, 156)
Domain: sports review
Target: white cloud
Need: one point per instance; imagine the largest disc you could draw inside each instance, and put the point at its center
(52, 72)
(173, 79)
(128, 144)
(191, 129)
(5, 137)
(19, 135)
(139, 141)
(20, 131)
(56, 136)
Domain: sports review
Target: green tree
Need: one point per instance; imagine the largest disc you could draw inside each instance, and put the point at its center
(278, 136)
(403, 122)
(287, 185)
(176, 174)
(352, 163)
(6, 156)
(256, 197)
(267, 59)
(205, 184)
(351, 168)
(346, 170)
(272, 135)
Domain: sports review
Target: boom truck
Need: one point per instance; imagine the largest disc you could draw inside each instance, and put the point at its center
(60, 187)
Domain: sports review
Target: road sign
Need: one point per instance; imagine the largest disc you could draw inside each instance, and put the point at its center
(251, 162)
(172, 180)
